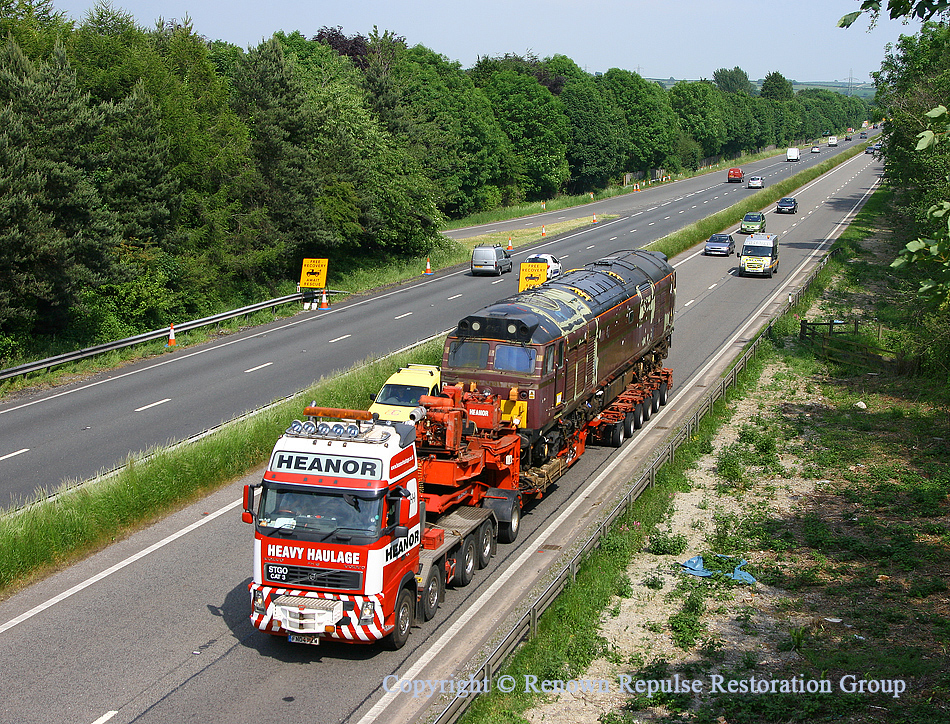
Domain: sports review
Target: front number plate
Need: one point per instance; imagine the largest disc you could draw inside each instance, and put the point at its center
(304, 639)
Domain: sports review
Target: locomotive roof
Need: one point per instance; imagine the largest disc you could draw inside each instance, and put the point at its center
(557, 307)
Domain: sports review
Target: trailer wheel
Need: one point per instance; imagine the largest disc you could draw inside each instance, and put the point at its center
(485, 539)
(432, 594)
(508, 532)
(638, 416)
(664, 393)
(403, 620)
(465, 563)
(647, 406)
(628, 424)
(616, 434)
(655, 401)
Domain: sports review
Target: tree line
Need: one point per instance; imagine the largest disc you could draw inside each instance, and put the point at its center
(148, 175)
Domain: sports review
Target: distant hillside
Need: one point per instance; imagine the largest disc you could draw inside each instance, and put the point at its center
(860, 90)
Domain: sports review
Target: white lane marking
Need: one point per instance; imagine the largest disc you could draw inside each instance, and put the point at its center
(154, 404)
(338, 339)
(105, 717)
(612, 238)
(591, 246)
(455, 296)
(410, 313)
(117, 567)
(688, 303)
(13, 454)
(259, 367)
(498, 281)
(713, 286)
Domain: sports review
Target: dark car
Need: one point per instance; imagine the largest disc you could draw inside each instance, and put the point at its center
(788, 205)
(863, 134)
(720, 244)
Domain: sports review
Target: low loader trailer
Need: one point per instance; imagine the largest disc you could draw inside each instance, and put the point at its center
(361, 523)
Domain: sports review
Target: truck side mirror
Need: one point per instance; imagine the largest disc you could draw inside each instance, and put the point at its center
(248, 515)
(401, 531)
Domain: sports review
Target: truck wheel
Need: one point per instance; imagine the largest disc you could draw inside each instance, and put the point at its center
(638, 416)
(655, 401)
(616, 434)
(465, 563)
(432, 594)
(647, 406)
(485, 538)
(664, 393)
(508, 532)
(405, 604)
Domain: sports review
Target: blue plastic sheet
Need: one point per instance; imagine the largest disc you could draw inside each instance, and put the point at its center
(695, 566)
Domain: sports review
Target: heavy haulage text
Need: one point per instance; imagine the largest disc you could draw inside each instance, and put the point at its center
(848, 684)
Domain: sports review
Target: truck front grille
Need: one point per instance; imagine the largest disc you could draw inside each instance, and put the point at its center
(319, 578)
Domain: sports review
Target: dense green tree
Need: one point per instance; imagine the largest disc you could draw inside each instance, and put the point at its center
(652, 125)
(452, 132)
(700, 108)
(775, 87)
(596, 137)
(35, 26)
(534, 121)
(733, 81)
(56, 235)
(374, 194)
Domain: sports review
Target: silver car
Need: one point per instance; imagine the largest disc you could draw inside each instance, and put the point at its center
(720, 244)
(494, 260)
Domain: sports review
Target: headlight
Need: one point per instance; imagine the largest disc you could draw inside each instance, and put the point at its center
(258, 602)
(366, 613)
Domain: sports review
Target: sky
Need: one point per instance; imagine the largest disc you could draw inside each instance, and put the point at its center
(682, 39)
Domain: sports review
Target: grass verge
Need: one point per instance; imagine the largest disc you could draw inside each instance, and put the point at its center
(79, 521)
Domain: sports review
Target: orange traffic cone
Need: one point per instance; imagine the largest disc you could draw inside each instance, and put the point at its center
(171, 337)
(324, 303)
(510, 247)
(428, 271)
(542, 229)
(595, 218)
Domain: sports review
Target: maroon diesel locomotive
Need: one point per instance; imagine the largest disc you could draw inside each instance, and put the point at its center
(560, 353)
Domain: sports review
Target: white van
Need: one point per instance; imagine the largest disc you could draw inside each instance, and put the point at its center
(793, 154)
(832, 140)
(759, 255)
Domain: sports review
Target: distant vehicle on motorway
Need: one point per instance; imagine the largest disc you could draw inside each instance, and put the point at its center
(756, 182)
(735, 175)
(752, 223)
(832, 140)
(554, 266)
(788, 205)
(720, 244)
(816, 149)
(863, 134)
(793, 154)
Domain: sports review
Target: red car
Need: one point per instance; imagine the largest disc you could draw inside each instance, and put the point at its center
(735, 175)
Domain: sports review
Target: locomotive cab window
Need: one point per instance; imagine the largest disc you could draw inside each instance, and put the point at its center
(515, 358)
(468, 354)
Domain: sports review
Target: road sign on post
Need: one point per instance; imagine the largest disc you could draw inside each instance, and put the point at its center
(313, 275)
(532, 274)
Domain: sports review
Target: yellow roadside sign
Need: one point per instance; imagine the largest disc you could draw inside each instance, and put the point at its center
(532, 274)
(313, 275)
